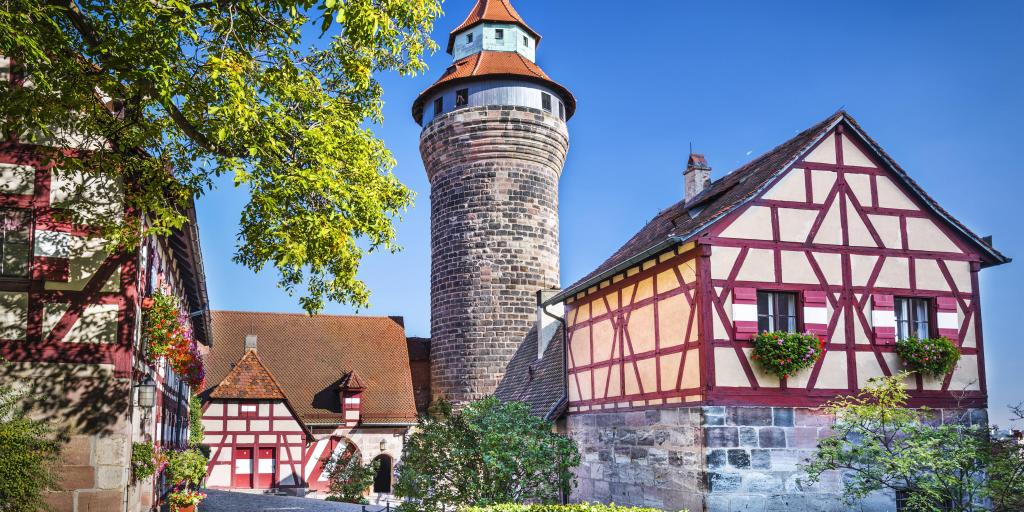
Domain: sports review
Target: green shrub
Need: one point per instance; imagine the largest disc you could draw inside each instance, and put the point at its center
(786, 353)
(143, 461)
(29, 450)
(585, 507)
(933, 357)
(196, 432)
(349, 478)
(187, 466)
(489, 452)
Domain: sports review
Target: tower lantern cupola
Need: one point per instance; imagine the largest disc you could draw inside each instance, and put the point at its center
(495, 54)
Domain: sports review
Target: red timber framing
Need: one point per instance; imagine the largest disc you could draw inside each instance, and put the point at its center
(854, 236)
(256, 425)
(849, 302)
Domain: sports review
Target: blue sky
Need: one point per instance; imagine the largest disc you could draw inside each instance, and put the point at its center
(939, 84)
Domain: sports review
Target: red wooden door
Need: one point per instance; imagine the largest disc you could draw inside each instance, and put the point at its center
(243, 469)
(266, 467)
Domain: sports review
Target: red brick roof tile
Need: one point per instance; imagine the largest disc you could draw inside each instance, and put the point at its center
(309, 357)
(249, 380)
(489, 64)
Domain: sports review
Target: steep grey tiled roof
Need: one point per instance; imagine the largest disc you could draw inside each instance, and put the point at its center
(540, 383)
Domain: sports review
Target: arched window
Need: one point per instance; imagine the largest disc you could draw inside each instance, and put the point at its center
(382, 481)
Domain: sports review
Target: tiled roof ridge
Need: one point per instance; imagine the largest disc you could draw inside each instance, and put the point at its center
(305, 315)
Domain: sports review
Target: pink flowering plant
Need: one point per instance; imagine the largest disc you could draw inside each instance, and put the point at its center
(932, 357)
(786, 353)
(168, 334)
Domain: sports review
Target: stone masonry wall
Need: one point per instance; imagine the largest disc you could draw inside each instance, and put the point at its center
(716, 459)
(649, 458)
(494, 238)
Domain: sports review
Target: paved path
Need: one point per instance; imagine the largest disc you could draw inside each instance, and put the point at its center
(224, 501)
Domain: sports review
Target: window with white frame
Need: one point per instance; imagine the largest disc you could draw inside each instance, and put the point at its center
(776, 311)
(913, 317)
(16, 226)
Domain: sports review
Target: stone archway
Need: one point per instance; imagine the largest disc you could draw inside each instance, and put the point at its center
(383, 480)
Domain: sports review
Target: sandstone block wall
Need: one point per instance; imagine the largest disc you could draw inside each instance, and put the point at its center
(718, 459)
(494, 238)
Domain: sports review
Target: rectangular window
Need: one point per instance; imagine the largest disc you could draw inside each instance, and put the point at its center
(438, 106)
(247, 411)
(776, 311)
(469, 38)
(462, 97)
(912, 318)
(15, 230)
(499, 34)
(561, 111)
(545, 101)
(526, 41)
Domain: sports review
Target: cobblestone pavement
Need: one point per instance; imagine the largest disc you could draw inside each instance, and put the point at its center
(224, 501)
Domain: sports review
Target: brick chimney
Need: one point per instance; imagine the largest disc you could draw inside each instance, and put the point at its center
(697, 176)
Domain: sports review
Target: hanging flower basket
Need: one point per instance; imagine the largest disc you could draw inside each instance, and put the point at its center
(785, 353)
(168, 334)
(931, 357)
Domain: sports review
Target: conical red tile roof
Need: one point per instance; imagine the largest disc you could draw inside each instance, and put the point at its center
(500, 11)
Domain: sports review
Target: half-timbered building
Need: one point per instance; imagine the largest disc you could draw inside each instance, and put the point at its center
(825, 234)
(287, 392)
(71, 325)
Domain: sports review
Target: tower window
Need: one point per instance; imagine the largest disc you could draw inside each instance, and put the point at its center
(462, 97)
(776, 311)
(526, 41)
(561, 111)
(545, 101)
(439, 106)
(469, 38)
(912, 317)
(499, 34)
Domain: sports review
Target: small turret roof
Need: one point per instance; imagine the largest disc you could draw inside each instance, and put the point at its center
(500, 11)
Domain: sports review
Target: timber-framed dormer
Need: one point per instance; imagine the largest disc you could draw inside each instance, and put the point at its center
(859, 253)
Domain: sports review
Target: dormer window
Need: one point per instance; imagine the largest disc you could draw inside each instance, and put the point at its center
(499, 34)
(461, 98)
(469, 38)
(545, 101)
(438, 106)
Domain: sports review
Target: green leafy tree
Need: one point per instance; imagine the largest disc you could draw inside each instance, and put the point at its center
(880, 444)
(1006, 469)
(168, 95)
(29, 451)
(489, 453)
(583, 507)
(349, 478)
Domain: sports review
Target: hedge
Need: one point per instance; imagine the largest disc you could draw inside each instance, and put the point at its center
(595, 507)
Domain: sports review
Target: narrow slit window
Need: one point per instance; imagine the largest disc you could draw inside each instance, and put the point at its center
(469, 38)
(462, 97)
(438, 106)
(776, 312)
(545, 101)
(499, 34)
(561, 111)
(913, 317)
(526, 41)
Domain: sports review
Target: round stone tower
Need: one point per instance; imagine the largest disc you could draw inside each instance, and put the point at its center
(494, 142)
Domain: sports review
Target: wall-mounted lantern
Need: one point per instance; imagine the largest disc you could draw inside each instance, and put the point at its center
(147, 394)
(383, 445)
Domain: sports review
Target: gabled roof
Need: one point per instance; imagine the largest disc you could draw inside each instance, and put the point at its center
(351, 382)
(500, 11)
(687, 219)
(311, 356)
(249, 380)
(493, 64)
